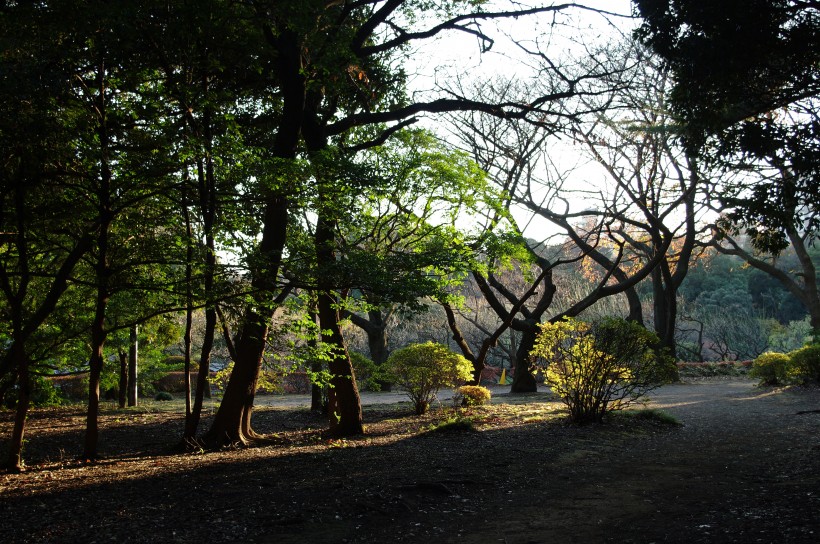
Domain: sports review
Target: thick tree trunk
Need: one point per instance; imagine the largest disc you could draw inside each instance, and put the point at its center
(377, 337)
(234, 412)
(233, 416)
(133, 366)
(524, 381)
(344, 403)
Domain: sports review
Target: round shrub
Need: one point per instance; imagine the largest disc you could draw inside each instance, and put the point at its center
(471, 395)
(163, 396)
(422, 369)
(595, 368)
(771, 368)
(804, 365)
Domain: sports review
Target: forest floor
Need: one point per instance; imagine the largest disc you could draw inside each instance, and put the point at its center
(743, 465)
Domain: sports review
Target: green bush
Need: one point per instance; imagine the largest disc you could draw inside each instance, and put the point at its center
(367, 373)
(163, 395)
(43, 393)
(599, 367)
(422, 369)
(771, 368)
(471, 395)
(804, 364)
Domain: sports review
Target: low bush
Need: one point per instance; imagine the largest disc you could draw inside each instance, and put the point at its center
(804, 364)
(163, 396)
(367, 372)
(453, 423)
(599, 367)
(471, 395)
(771, 368)
(422, 369)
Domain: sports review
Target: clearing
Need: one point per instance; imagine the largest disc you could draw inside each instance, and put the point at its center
(744, 466)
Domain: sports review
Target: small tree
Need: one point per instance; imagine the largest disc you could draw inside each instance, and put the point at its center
(422, 369)
(599, 367)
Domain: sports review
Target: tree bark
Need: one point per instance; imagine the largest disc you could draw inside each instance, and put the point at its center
(14, 461)
(232, 421)
(122, 393)
(344, 403)
(133, 366)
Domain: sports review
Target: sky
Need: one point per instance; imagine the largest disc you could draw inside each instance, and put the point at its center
(437, 63)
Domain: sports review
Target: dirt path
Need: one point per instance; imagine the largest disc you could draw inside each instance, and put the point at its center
(744, 467)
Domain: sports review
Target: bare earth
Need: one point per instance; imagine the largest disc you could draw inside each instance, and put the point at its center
(744, 466)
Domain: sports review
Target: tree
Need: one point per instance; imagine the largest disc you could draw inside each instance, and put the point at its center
(355, 57)
(747, 80)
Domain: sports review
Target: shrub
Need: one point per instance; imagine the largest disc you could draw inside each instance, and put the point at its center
(771, 368)
(422, 369)
(804, 364)
(163, 395)
(43, 393)
(596, 368)
(366, 371)
(471, 395)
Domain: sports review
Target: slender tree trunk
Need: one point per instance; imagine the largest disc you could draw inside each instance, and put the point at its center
(122, 393)
(207, 198)
(133, 366)
(102, 271)
(14, 461)
(317, 396)
(189, 296)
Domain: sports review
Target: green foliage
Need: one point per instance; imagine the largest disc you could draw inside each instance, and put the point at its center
(422, 369)
(793, 336)
(804, 364)
(745, 89)
(163, 396)
(269, 382)
(771, 368)
(366, 371)
(43, 393)
(471, 395)
(599, 367)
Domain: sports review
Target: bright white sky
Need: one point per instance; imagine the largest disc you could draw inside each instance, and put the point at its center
(436, 63)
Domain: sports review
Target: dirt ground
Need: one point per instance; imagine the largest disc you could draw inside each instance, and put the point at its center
(743, 466)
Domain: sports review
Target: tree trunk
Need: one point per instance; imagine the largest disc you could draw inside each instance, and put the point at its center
(101, 269)
(122, 393)
(344, 403)
(234, 413)
(14, 461)
(207, 202)
(98, 336)
(192, 422)
(133, 366)
(524, 381)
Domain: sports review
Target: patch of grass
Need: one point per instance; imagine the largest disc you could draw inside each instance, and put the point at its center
(455, 422)
(649, 414)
